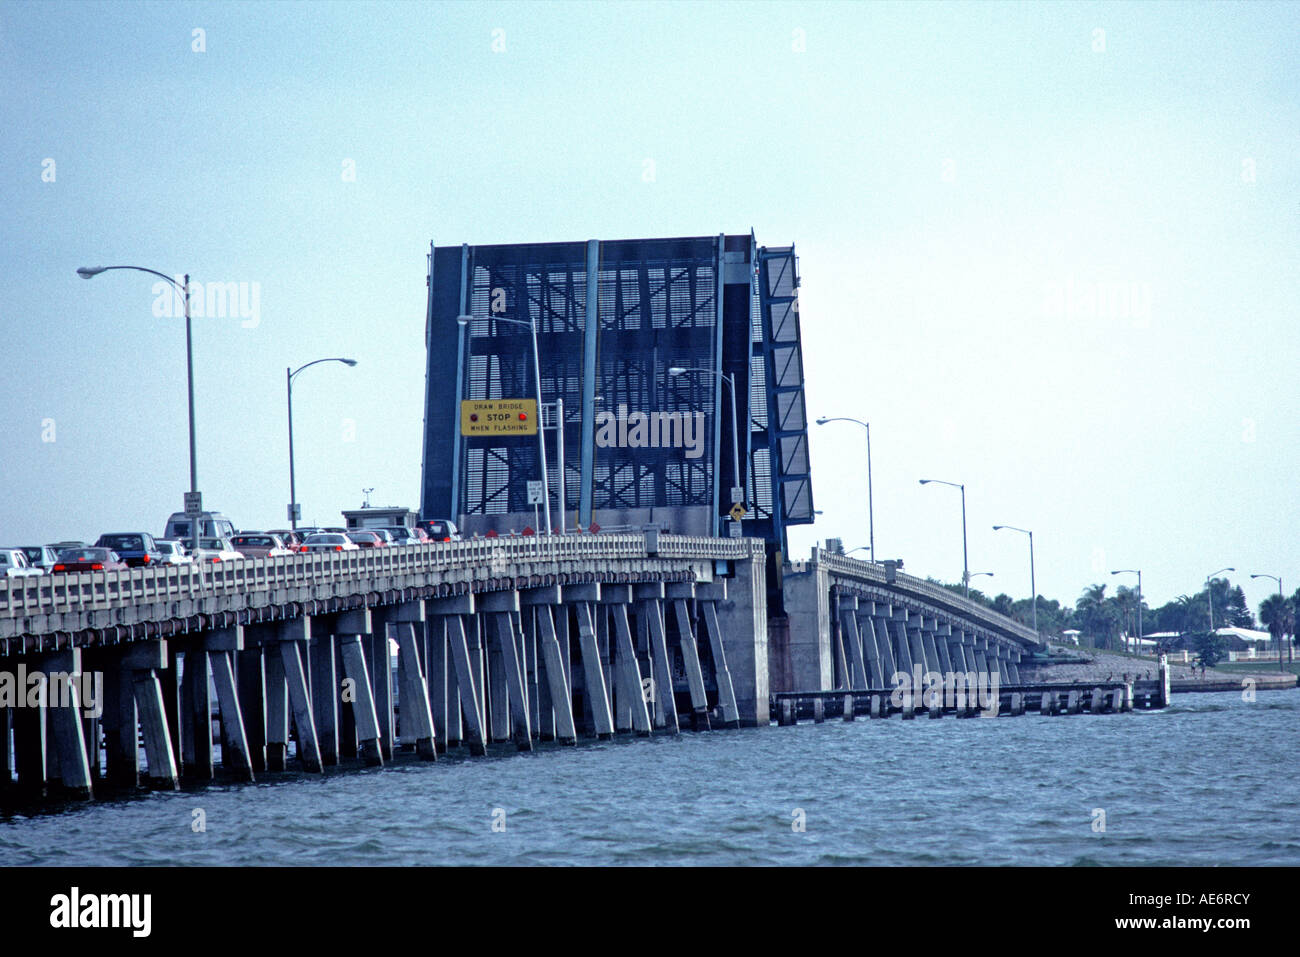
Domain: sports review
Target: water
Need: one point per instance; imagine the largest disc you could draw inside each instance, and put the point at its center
(1208, 781)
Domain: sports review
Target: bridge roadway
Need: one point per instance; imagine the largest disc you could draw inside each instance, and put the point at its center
(519, 639)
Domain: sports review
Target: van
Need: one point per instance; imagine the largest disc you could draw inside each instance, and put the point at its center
(211, 525)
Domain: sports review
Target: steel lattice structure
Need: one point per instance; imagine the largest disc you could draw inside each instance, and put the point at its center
(612, 317)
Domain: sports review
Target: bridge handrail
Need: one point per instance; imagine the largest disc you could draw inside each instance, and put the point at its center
(82, 591)
(920, 588)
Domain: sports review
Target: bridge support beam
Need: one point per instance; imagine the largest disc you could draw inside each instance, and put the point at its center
(1013, 666)
(196, 716)
(651, 610)
(690, 655)
(941, 635)
(220, 647)
(417, 715)
(858, 679)
(631, 694)
(876, 677)
(881, 618)
(63, 711)
(593, 670)
(928, 626)
(358, 693)
(901, 644)
(466, 657)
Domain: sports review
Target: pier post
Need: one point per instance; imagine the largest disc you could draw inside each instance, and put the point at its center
(916, 645)
(413, 694)
(380, 661)
(251, 666)
(294, 635)
(1013, 666)
(435, 643)
(277, 709)
(1003, 656)
(652, 608)
(1163, 684)
(957, 651)
(325, 692)
(586, 598)
(842, 676)
(504, 652)
(220, 646)
(196, 716)
(540, 717)
(63, 712)
(143, 660)
(631, 694)
(942, 635)
(807, 597)
(903, 655)
(928, 626)
(353, 630)
(881, 617)
(981, 659)
(556, 705)
(453, 613)
(708, 596)
(679, 593)
(867, 630)
(849, 629)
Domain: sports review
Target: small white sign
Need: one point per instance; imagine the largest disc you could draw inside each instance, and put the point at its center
(733, 529)
(535, 496)
(193, 503)
(295, 512)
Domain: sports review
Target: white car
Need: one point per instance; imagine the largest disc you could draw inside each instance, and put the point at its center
(173, 553)
(216, 550)
(44, 557)
(330, 542)
(13, 564)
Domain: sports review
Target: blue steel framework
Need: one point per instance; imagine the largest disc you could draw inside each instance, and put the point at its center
(612, 317)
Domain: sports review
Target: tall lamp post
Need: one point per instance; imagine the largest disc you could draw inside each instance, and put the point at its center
(90, 272)
(288, 385)
(871, 517)
(1033, 586)
(1209, 593)
(1278, 579)
(965, 563)
(531, 326)
(1138, 573)
(730, 381)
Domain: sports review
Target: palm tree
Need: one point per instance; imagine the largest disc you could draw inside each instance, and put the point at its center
(1278, 615)
(1098, 617)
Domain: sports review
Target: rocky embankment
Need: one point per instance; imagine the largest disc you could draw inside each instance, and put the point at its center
(1104, 666)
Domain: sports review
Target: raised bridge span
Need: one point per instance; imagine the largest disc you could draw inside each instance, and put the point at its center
(507, 639)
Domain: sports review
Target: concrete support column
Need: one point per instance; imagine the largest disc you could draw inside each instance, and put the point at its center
(63, 712)
(555, 705)
(196, 716)
(915, 644)
(631, 693)
(942, 635)
(413, 693)
(651, 610)
(220, 646)
(142, 661)
(465, 656)
(1013, 666)
(325, 694)
(808, 608)
(251, 666)
(928, 626)
(503, 606)
(593, 667)
(870, 647)
(853, 642)
(680, 593)
(742, 612)
(435, 643)
(353, 630)
(1003, 673)
(956, 650)
(294, 635)
(902, 648)
(882, 616)
(981, 658)
(379, 658)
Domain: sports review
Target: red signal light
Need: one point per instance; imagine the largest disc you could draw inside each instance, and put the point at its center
(473, 416)
(523, 416)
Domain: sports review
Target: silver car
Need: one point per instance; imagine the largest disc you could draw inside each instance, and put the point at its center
(173, 553)
(330, 542)
(40, 556)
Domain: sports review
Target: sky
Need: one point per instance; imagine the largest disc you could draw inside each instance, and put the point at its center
(1047, 250)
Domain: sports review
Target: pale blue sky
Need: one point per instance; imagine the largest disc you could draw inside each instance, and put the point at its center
(945, 171)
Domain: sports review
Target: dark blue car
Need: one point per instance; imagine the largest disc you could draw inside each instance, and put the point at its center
(137, 549)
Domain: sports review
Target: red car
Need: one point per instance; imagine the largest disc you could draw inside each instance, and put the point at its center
(88, 560)
(367, 539)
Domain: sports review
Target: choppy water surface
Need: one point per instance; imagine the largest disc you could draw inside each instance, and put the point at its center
(1211, 780)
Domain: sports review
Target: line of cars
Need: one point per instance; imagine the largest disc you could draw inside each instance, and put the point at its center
(218, 542)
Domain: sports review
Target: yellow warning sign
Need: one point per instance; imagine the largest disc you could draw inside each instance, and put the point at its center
(738, 512)
(498, 417)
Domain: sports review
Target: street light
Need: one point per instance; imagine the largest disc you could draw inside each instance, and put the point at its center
(90, 272)
(531, 325)
(1278, 579)
(978, 574)
(965, 564)
(871, 518)
(1033, 586)
(1209, 593)
(1138, 573)
(288, 384)
(730, 380)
